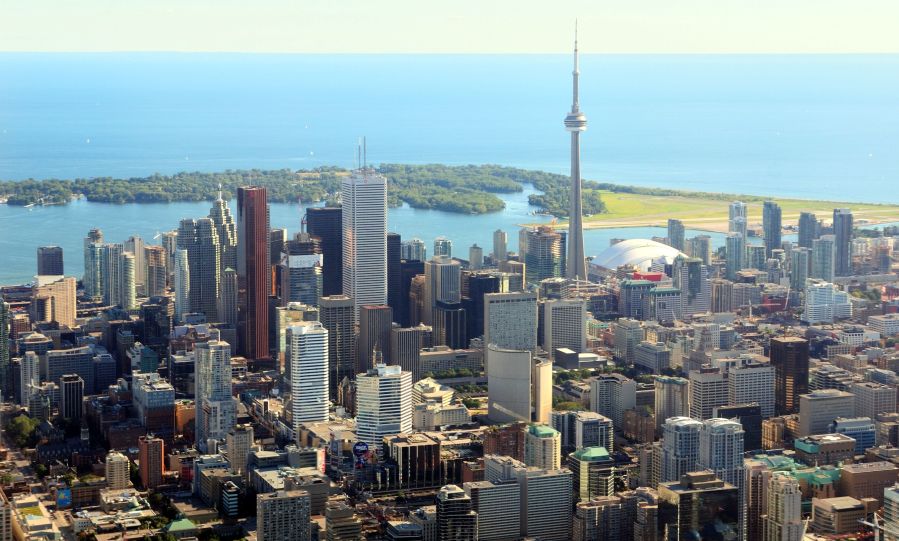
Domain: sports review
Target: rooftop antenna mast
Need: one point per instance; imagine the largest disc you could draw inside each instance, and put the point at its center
(364, 154)
(303, 213)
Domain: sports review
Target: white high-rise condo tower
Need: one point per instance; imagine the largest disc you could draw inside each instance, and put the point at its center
(576, 122)
(307, 353)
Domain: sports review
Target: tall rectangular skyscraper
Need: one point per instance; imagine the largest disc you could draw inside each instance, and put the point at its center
(789, 356)
(307, 353)
(383, 403)
(510, 320)
(157, 275)
(842, 230)
(215, 406)
(220, 214)
(135, 245)
(6, 385)
(443, 283)
(336, 315)
(772, 224)
(253, 271)
(737, 218)
(92, 280)
(325, 223)
(395, 273)
(676, 234)
(409, 269)
(721, 449)
(500, 245)
(199, 238)
(374, 335)
(364, 197)
(735, 254)
(809, 229)
(823, 262)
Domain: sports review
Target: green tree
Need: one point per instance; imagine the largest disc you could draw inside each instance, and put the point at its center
(40, 470)
(471, 403)
(21, 430)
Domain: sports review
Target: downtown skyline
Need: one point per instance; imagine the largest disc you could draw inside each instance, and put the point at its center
(721, 366)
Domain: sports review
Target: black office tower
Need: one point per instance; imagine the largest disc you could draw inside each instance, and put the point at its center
(789, 356)
(49, 261)
(478, 285)
(750, 418)
(325, 223)
(395, 274)
(449, 325)
(409, 269)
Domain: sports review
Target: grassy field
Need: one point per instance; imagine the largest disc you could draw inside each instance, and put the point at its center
(707, 213)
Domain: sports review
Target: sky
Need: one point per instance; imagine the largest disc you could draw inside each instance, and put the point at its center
(458, 26)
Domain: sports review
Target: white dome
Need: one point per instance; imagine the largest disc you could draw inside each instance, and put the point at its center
(637, 252)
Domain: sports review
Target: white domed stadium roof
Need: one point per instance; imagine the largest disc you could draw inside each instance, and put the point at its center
(637, 252)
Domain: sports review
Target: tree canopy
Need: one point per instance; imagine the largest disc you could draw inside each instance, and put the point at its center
(467, 189)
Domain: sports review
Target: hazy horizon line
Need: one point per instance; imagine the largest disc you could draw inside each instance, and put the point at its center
(447, 53)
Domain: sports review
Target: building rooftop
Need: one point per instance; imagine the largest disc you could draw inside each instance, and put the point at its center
(181, 525)
(591, 454)
(637, 252)
(861, 467)
(542, 431)
(824, 394)
(842, 503)
(810, 443)
(665, 291)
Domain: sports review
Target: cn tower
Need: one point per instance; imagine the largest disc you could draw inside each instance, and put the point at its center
(576, 122)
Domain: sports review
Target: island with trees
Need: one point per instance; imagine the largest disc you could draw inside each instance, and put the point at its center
(467, 189)
(464, 189)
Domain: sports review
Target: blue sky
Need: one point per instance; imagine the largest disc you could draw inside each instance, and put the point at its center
(460, 26)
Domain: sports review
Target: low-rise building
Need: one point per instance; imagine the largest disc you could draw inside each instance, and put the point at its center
(837, 515)
(886, 325)
(824, 448)
(32, 521)
(867, 479)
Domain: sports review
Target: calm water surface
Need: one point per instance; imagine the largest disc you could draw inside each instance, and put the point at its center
(814, 126)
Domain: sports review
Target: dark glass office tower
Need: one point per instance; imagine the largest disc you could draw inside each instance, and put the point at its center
(449, 325)
(789, 356)
(750, 418)
(409, 269)
(253, 271)
(277, 239)
(49, 261)
(478, 285)
(326, 224)
(374, 335)
(394, 272)
(337, 314)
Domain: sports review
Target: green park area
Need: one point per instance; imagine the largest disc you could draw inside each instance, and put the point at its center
(709, 211)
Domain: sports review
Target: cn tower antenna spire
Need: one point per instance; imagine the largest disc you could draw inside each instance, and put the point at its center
(575, 123)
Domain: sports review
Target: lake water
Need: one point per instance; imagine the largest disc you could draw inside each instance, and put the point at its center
(815, 126)
(67, 226)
